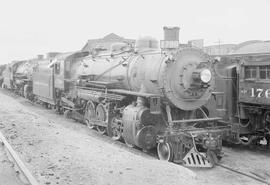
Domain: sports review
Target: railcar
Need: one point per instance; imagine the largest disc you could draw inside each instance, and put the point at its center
(2, 68)
(148, 96)
(7, 78)
(244, 78)
(17, 76)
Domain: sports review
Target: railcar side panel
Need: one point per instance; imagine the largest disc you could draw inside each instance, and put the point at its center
(256, 92)
(254, 80)
(43, 84)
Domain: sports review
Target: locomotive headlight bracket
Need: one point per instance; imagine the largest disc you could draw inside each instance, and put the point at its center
(205, 75)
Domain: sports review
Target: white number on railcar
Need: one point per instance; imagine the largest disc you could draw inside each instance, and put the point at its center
(260, 93)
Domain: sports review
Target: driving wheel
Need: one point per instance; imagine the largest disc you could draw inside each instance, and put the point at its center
(89, 114)
(165, 152)
(102, 117)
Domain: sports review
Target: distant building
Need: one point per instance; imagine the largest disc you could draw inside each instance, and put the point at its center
(247, 47)
(222, 49)
(105, 42)
(198, 43)
(252, 47)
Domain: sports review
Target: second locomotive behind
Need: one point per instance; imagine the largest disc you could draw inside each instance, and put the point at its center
(17, 76)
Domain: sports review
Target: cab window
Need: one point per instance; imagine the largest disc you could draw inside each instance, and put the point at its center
(250, 72)
(264, 72)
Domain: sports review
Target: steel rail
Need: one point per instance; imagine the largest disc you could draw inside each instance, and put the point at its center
(16, 159)
(259, 179)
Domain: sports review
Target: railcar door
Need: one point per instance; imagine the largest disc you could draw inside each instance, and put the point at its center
(67, 75)
(224, 101)
(59, 74)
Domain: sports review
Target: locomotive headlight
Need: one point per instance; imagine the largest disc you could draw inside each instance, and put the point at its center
(205, 75)
(78, 82)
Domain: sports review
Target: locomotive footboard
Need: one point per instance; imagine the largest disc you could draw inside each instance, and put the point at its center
(194, 147)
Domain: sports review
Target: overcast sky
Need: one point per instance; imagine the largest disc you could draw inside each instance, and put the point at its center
(31, 27)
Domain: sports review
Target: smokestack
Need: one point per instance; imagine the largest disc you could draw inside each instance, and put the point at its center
(171, 33)
(39, 57)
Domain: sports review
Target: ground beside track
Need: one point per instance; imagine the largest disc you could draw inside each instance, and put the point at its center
(61, 151)
(58, 151)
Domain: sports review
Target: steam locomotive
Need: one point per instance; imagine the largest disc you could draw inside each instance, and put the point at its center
(146, 95)
(244, 77)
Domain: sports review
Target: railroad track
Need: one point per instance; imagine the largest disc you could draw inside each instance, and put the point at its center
(105, 138)
(25, 175)
(251, 174)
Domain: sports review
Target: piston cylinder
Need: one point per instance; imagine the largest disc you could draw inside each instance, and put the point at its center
(138, 127)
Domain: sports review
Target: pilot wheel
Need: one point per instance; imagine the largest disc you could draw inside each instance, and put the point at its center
(165, 152)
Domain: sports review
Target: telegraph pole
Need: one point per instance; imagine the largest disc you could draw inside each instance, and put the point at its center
(219, 45)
